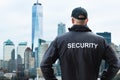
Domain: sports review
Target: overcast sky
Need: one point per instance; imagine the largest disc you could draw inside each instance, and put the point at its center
(16, 18)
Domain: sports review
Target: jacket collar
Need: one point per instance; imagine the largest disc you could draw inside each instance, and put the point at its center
(79, 28)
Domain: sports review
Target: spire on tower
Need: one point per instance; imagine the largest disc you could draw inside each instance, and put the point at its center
(37, 1)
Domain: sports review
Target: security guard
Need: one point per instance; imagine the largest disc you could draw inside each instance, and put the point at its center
(80, 53)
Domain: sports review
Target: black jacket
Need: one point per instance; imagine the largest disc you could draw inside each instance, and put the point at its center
(80, 53)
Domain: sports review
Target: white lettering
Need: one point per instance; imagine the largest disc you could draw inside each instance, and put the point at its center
(73, 45)
(96, 46)
(77, 45)
(82, 45)
(69, 45)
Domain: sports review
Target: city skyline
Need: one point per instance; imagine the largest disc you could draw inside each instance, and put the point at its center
(16, 20)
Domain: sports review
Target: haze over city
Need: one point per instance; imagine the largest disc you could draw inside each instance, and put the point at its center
(16, 18)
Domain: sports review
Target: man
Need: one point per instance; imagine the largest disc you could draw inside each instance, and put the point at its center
(80, 53)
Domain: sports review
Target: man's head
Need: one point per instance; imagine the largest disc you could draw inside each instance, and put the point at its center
(79, 16)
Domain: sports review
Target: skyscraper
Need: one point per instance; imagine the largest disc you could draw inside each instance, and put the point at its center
(1, 63)
(61, 29)
(37, 24)
(28, 60)
(21, 49)
(43, 47)
(12, 62)
(106, 35)
(8, 49)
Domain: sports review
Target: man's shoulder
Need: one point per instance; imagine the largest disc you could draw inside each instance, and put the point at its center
(96, 35)
(63, 35)
(69, 36)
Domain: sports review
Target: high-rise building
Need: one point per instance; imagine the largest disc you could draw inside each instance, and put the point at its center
(37, 29)
(28, 59)
(1, 64)
(21, 49)
(38, 52)
(61, 29)
(37, 24)
(41, 50)
(20, 66)
(8, 49)
(12, 62)
(29, 62)
(106, 35)
(43, 47)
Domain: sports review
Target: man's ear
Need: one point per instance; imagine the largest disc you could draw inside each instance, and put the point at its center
(72, 21)
(86, 20)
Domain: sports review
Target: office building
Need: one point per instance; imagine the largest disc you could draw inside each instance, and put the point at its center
(38, 52)
(1, 64)
(37, 24)
(21, 49)
(20, 66)
(8, 49)
(106, 35)
(12, 62)
(37, 29)
(28, 59)
(43, 47)
(20, 55)
(61, 29)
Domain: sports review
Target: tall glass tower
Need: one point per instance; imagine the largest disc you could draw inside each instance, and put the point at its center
(8, 49)
(37, 24)
(21, 49)
(106, 35)
(61, 29)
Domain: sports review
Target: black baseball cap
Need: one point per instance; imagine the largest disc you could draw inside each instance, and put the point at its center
(79, 11)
